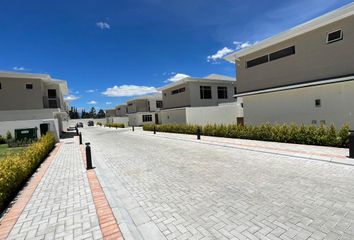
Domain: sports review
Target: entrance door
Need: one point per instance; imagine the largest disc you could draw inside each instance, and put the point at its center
(156, 118)
(240, 121)
(44, 128)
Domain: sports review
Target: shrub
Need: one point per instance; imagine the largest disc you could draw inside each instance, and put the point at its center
(8, 136)
(16, 168)
(114, 125)
(2, 140)
(99, 124)
(300, 134)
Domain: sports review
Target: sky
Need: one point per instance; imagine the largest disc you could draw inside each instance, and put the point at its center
(112, 50)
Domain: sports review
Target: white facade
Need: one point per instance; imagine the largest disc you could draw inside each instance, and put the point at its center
(124, 120)
(336, 105)
(230, 113)
(137, 119)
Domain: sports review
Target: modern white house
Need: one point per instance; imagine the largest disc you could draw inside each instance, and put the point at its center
(32, 101)
(145, 110)
(202, 101)
(118, 115)
(304, 75)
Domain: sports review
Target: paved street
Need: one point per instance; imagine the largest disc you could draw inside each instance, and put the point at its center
(167, 186)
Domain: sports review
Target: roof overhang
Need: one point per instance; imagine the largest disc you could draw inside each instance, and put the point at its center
(297, 86)
(201, 80)
(331, 17)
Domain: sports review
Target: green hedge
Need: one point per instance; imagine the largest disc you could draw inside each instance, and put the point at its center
(16, 168)
(114, 125)
(99, 124)
(300, 134)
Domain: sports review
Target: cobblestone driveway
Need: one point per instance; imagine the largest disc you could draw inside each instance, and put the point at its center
(164, 188)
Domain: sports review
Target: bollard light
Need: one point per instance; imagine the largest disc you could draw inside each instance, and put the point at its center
(88, 156)
(351, 144)
(133, 128)
(198, 133)
(154, 129)
(80, 138)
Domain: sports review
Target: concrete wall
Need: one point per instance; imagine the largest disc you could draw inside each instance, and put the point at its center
(15, 96)
(124, 120)
(136, 119)
(73, 122)
(12, 125)
(182, 99)
(298, 106)
(174, 116)
(223, 114)
(121, 110)
(14, 115)
(196, 101)
(314, 59)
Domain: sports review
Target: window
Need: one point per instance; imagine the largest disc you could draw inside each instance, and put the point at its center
(282, 53)
(158, 104)
(29, 86)
(0, 85)
(323, 122)
(147, 118)
(314, 122)
(52, 93)
(235, 90)
(53, 103)
(205, 92)
(318, 102)
(130, 104)
(222, 92)
(241, 105)
(176, 91)
(334, 36)
(257, 61)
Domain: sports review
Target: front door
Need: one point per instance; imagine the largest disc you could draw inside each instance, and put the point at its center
(44, 127)
(156, 118)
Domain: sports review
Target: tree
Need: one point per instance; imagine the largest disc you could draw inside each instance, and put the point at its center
(101, 114)
(93, 112)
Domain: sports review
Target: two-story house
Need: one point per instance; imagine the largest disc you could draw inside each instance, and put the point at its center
(304, 75)
(145, 110)
(207, 100)
(32, 101)
(118, 114)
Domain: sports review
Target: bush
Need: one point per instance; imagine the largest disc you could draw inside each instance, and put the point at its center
(99, 124)
(114, 125)
(16, 168)
(8, 136)
(2, 140)
(300, 134)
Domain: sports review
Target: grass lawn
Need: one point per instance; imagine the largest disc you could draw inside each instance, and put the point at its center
(4, 150)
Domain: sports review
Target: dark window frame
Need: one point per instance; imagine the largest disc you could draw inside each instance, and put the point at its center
(257, 61)
(222, 92)
(177, 91)
(0, 86)
(147, 118)
(339, 38)
(29, 86)
(52, 95)
(205, 92)
(318, 103)
(159, 104)
(285, 52)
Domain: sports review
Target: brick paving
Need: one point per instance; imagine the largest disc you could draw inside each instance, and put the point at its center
(168, 187)
(61, 206)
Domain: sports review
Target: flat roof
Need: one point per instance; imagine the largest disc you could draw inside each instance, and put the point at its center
(331, 17)
(299, 85)
(157, 96)
(212, 78)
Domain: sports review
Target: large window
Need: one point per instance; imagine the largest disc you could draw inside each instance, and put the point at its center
(222, 92)
(147, 118)
(52, 93)
(159, 104)
(205, 92)
(176, 91)
(29, 86)
(257, 61)
(334, 36)
(282, 53)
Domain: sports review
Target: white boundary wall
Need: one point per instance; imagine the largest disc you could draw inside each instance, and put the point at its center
(124, 120)
(298, 105)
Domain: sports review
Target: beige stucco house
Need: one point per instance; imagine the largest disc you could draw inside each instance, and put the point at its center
(118, 114)
(207, 100)
(145, 110)
(304, 75)
(32, 101)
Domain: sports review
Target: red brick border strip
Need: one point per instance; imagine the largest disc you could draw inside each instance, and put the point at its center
(11, 217)
(108, 224)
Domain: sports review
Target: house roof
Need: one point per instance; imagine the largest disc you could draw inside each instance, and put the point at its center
(299, 85)
(157, 96)
(331, 17)
(212, 78)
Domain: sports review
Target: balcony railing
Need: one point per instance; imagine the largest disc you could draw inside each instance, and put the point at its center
(50, 102)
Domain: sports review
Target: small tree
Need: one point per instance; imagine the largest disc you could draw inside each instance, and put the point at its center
(101, 114)
(8, 136)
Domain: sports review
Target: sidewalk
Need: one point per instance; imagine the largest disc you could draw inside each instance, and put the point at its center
(62, 206)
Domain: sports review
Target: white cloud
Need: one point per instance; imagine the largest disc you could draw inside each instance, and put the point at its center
(20, 68)
(177, 77)
(223, 52)
(219, 54)
(103, 25)
(92, 102)
(91, 90)
(71, 98)
(128, 91)
(108, 103)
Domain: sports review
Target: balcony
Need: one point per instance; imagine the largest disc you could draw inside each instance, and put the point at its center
(51, 102)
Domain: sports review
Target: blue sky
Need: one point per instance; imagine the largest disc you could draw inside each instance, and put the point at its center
(109, 50)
